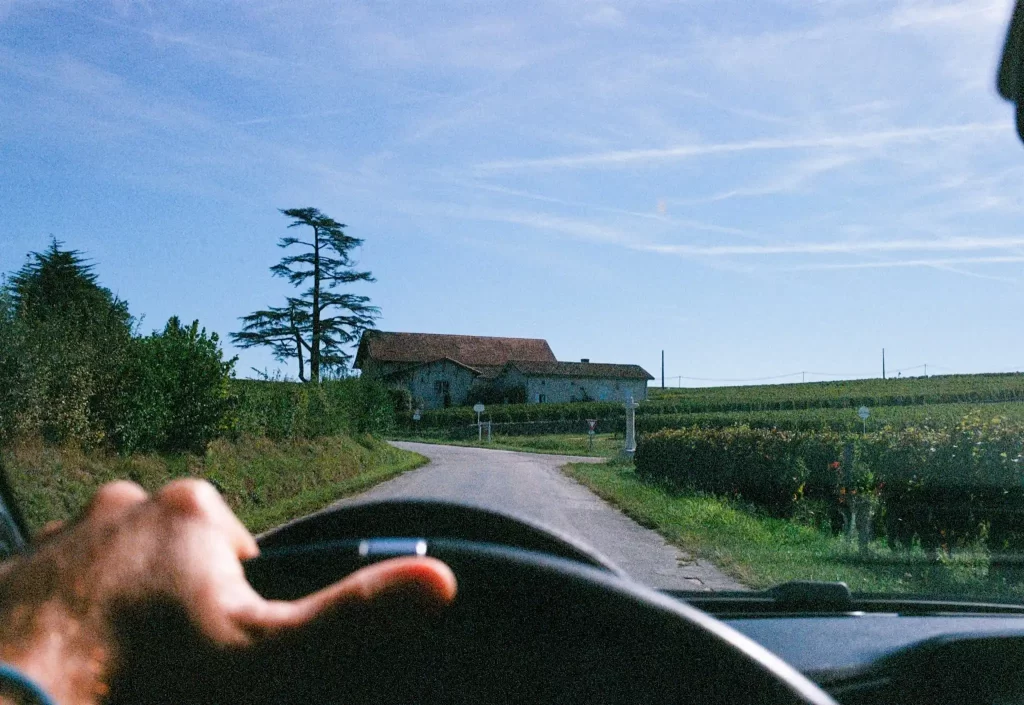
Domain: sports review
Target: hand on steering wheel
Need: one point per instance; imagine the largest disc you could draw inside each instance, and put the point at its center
(70, 608)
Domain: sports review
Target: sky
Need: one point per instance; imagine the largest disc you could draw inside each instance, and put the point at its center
(765, 191)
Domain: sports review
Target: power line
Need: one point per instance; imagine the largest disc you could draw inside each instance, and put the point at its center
(803, 374)
(724, 379)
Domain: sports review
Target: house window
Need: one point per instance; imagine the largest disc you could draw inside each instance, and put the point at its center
(441, 387)
(541, 398)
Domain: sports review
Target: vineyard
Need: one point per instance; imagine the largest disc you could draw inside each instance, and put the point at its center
(940, 460)
(928, 402)
(954, 486)
(937, 389)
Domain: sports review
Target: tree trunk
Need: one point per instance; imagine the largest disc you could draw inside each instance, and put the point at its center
(298, 342)
(314, 353)
(298, 350)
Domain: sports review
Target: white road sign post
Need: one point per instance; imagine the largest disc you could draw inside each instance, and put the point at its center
(479, 409)
(416, 415)
(864, 413)
(592, 424)
(630, 448)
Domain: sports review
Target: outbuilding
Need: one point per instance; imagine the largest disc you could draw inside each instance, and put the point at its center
(454, 370)
(554, 382)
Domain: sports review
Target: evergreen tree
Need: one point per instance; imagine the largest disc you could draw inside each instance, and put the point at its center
(67, 340)
(322, 321)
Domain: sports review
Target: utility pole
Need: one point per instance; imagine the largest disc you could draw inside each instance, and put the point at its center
(662, 369)
(926, 369)
(883, 363)
(802, 377)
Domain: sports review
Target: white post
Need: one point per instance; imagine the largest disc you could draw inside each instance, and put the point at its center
(479, 409)
(630, 448)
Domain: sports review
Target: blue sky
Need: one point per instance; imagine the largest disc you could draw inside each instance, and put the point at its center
(757, 188)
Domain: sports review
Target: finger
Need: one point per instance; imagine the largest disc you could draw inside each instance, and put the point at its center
(50, 529)
(427, 580)
(114, 499)
(199, 499)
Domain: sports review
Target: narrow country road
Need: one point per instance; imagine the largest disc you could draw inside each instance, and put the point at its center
(531, 485)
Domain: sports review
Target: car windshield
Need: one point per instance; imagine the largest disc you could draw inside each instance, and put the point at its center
(757, 267)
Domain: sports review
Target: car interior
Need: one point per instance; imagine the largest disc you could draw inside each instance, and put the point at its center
(541, 617)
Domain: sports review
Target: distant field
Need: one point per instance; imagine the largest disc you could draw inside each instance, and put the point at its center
(841, 420)
(937, 389)
(931, 402)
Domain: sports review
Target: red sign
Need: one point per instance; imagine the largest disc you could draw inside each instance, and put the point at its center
(592, 423)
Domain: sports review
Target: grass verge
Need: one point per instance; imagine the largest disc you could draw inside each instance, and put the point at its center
(606, 445)
(761, 551)
(266, 483)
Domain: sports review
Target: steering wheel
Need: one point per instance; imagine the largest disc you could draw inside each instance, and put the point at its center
(538, 618)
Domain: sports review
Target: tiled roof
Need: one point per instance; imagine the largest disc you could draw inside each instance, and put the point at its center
(602, 370)
(473, 350)
(410, 367)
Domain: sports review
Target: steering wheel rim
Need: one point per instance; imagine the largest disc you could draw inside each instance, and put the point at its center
(525, 627)
(437, 519)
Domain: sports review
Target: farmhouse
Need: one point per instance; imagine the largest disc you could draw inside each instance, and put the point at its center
(451, 370)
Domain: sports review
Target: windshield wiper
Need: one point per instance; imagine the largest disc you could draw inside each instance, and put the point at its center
(811, 597)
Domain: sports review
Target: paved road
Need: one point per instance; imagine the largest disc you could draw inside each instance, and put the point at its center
(531, 485)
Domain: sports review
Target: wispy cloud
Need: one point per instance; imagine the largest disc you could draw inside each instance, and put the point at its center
(953, 14)
(631, 157)
(890, 264)
(312, 115)
(605, 16)
(657, 215)
(960, 244)
(791, 178)
(574, 227)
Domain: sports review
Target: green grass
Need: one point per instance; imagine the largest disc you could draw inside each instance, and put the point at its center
(606, 445)
(266, 483)
(761, 551)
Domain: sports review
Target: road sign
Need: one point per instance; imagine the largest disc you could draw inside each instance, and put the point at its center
(863, 413)
(416, 416)
(592, 423)
(479, 409)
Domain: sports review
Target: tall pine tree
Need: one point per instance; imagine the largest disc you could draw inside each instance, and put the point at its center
(322, 320)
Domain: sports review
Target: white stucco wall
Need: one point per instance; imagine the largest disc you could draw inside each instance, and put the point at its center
(511, 378)
(421, 384)
(563, 389)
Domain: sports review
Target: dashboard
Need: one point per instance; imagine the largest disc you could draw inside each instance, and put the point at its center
(553, 618)
(892, 658)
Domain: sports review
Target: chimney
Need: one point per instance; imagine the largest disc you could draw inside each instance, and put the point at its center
(586, 359)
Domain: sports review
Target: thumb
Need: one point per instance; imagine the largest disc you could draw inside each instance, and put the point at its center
(428, 581)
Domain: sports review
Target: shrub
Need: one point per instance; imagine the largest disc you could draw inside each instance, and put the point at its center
(177, 395)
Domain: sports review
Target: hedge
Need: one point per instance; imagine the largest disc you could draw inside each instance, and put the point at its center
(284, 410)
(939, 486)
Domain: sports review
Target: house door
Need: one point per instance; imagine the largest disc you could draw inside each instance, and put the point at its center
(442, 392)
